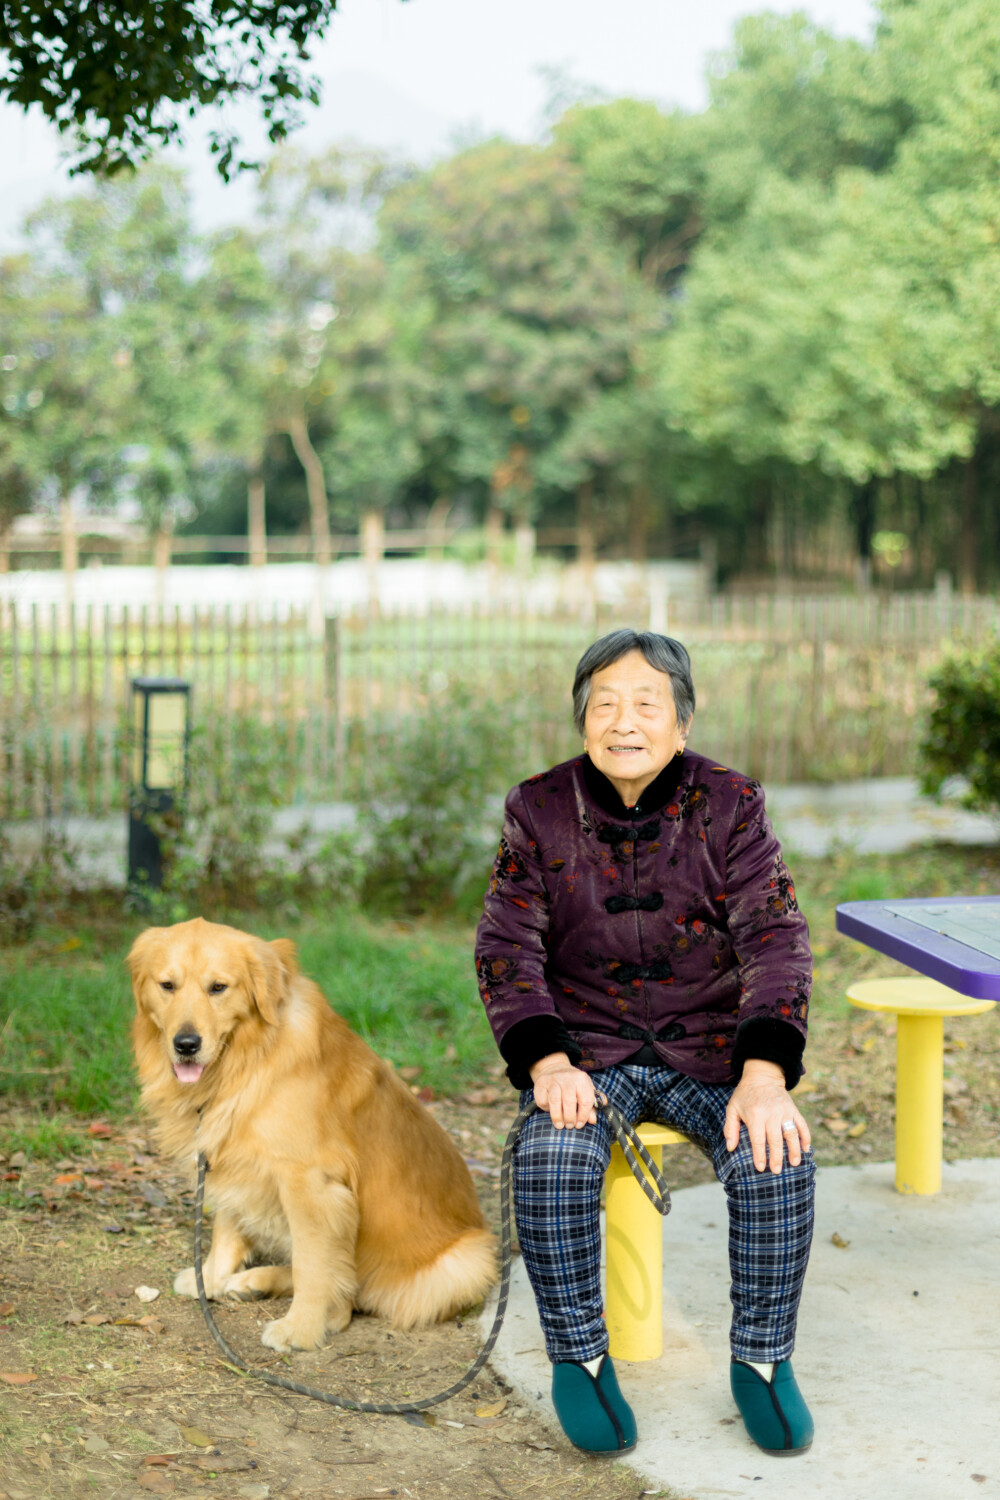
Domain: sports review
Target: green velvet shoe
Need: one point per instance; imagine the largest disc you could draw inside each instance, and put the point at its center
(773, 1412)
(592, 1410)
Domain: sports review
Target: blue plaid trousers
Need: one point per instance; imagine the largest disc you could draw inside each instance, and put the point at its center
(557, 1188)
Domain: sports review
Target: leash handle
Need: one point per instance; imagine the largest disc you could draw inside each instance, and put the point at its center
(624, 1133)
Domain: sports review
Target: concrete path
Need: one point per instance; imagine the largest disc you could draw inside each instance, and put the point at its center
(904, 1388)
(873, 817)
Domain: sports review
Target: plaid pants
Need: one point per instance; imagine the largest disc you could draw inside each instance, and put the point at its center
(557, 1187)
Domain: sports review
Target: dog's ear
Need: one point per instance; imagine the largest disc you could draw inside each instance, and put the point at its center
(268, 978)
(139, 957)
(288, 953)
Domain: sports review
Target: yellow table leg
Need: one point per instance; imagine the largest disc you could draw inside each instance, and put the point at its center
(919, 1103)
(634, 1251)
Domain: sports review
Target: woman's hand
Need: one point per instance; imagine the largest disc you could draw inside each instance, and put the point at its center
(763, 1104)
(566, 1092)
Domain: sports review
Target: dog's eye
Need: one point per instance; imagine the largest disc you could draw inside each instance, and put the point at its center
(217, 988)
(167, 984)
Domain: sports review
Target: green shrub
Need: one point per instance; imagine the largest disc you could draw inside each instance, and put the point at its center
(30, 882)
(426, 829)
(962, 731)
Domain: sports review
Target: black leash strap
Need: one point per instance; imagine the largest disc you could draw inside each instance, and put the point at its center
(656, 1191)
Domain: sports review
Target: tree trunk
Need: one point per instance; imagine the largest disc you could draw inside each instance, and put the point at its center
(968, 536)
(373, 552)
(5, 550)
(638, 523)
(437, 517)
(69, 550)
(586, 549)
(863, 510)
(256, 521)
(319, 514)
(494, 535)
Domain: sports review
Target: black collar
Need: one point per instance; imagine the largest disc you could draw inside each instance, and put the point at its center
(652, 799)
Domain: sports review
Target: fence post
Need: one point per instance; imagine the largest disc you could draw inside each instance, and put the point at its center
(334, 698)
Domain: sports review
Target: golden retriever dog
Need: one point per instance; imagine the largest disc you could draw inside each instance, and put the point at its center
(321, 1161)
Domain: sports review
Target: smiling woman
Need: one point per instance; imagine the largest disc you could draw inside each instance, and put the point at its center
(641, 940)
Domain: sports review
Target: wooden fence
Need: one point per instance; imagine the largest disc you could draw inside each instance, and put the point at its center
(789, 688)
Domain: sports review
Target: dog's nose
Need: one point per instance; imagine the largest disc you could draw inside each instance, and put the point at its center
(187, 1043)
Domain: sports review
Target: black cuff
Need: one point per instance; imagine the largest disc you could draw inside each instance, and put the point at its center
(769, 1041)
(533, 1038)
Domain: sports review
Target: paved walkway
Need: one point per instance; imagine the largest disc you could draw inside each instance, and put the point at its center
(904, 1388)
(873, 817)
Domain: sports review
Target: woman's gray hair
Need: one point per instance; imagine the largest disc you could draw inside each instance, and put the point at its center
(663, 653)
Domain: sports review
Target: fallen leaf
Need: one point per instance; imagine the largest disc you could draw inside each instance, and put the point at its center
(156, 1480)
(69, 946)
(93, 1183)
(410, 1073)
(152, 1324)
(856, 1130)
(222, 1463)
(6, 1308)
(95, 1444)
(420, 1418)
(12, 1377)
(99, 1128)
(492, 1410)
(161, 1460)
(483, 1096)
(835, 1124)
(67, 1177)
(147, 1293)
(426, 1094)
(195, 1436)
(841, 1244)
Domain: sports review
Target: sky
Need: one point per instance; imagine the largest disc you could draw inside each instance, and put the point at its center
(423, 75)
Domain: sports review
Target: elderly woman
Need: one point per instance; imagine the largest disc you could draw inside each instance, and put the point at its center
(641, 941)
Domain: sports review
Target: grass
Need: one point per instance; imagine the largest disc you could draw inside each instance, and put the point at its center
(66, 1007)
(408, 988)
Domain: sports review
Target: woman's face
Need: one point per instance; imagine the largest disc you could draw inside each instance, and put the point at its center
(630, 729)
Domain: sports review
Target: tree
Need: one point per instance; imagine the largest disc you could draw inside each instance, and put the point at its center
(530, 310)
(117, 78)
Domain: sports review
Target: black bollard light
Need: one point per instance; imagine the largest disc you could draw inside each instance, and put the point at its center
(158, 770)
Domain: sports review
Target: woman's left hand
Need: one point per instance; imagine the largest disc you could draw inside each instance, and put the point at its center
(761, 1102)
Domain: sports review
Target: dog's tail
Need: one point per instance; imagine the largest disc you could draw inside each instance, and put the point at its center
(456, 1278)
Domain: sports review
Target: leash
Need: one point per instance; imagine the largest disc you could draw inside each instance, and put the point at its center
(656, 1191)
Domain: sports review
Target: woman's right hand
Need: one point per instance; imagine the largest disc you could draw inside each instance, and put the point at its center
(566, 1092)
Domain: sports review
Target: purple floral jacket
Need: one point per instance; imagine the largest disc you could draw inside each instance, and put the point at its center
(668, 931)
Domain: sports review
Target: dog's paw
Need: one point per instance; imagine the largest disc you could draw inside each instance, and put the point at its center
(248, 1286)
(290, 1332)
(185, 1284)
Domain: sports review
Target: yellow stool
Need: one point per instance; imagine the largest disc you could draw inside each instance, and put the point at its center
(633, 1239)
(919, 1005)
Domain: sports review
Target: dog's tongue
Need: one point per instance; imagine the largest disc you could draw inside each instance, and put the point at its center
(188, 1072)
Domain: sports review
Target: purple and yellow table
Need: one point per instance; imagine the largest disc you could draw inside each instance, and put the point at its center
(954, 943)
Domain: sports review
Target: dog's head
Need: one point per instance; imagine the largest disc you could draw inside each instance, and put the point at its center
(197, 984)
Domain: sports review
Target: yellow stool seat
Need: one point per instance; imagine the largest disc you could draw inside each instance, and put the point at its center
(919, 1005)
(633, 1303)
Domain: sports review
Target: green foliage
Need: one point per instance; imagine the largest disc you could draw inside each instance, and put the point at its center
(425, 827)
(118, 79)
(962, 732)
(30, 883)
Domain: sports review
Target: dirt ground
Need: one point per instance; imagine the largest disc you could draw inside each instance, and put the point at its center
(94, 1401)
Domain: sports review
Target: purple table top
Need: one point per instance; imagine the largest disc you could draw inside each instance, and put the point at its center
(958, 965)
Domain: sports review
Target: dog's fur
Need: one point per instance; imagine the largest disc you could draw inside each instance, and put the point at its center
(321, 1160)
